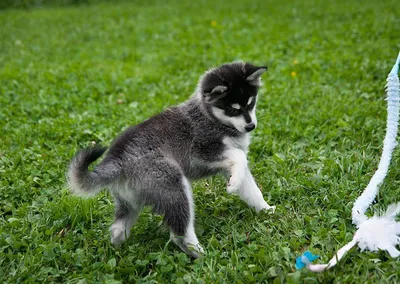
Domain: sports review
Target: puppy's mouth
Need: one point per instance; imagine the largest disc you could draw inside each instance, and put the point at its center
(245, 129)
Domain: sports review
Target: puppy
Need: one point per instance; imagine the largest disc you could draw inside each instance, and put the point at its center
(152, 163)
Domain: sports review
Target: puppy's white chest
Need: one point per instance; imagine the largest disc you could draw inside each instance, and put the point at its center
(242, 142)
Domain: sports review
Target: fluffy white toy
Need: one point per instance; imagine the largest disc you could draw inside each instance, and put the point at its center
(380, 232)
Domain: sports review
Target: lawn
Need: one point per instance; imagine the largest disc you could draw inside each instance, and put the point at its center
(73, 74)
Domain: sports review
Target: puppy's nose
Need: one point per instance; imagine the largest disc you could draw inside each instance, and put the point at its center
(249, 127)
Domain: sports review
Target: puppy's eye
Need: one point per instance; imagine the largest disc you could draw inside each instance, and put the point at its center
(234, 111)
(251, 103)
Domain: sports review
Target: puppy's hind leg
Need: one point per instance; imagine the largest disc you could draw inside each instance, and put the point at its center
(125, 217)
(179, 215)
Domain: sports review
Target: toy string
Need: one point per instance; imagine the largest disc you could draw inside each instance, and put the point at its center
(368, 196)
(377, 232)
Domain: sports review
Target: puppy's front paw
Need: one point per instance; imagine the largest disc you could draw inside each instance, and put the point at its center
(263, 206)
(233, 184)
(270, 209)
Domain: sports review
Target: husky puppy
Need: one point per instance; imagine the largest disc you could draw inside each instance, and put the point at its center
(152, 163)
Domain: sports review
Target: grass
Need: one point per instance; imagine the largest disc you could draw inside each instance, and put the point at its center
(75, 74)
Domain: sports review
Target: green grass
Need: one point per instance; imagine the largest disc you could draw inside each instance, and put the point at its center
(76, 74)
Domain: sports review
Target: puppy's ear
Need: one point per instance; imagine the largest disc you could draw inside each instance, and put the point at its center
(253, 73)
(213, 88)
(218, 92)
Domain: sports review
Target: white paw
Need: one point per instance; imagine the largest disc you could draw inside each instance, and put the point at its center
(196, 247)
(195, 250)
(192, 248)
(118, 234)
(266, 207)
(270, 208)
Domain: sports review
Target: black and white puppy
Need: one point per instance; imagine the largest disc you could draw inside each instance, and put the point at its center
(152, 163)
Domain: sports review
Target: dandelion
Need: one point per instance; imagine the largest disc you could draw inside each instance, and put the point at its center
(293, 74)
(295, 62)
(213, 23)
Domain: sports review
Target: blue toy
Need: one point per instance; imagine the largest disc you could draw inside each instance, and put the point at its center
(305, 259)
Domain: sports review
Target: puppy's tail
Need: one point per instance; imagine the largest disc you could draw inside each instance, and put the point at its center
(85, 183)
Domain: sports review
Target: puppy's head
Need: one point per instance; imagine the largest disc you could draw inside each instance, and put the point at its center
(230, 93)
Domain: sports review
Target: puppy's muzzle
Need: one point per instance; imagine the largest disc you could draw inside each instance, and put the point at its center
(249, 127)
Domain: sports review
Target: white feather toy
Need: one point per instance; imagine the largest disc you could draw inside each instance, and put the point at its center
(380, 232)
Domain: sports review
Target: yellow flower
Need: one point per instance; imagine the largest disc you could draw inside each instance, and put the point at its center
(293, 74)
(213, 23)
(295, 62)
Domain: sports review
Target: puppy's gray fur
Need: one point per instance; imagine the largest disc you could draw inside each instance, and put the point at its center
(152, 163)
